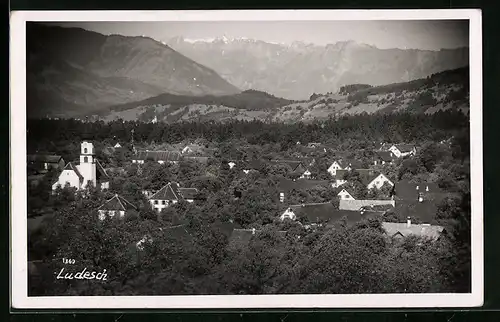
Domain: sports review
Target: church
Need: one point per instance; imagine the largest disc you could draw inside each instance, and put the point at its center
(88, 170)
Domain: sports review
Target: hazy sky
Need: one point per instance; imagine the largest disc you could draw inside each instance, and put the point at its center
(420, 34)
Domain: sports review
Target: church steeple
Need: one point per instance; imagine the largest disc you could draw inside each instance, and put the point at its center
(87, 165)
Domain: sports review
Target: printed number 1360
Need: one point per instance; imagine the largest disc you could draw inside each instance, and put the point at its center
(68, 261)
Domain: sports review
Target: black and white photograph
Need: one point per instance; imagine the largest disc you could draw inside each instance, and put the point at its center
(246, 159)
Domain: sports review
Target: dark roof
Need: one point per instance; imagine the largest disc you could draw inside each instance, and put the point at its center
(292, 164)
(253, 164)
(404, 148)
(405, 190)
(287, 185)
(158, 156)
(425, 211)
(359, 204)
(225, 228)
(117, 203)
(188, 193)
(70, 166)
(177, 232)
(402, 229)
(386, 156)
(165, 193)
(326, 212)
(46, 158)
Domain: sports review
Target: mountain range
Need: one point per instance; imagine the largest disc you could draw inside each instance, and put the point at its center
(297, 70)
(441, 91)
(72, 71)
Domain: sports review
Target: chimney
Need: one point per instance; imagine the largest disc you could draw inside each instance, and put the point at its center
(408, 222)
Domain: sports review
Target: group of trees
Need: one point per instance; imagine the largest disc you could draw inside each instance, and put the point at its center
(200, 258)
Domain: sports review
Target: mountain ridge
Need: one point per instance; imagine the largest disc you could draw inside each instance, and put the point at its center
(80, 69)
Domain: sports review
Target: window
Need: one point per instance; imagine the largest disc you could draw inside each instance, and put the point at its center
(163, 202)
(156, 202)
(85, 159)
(84, 150)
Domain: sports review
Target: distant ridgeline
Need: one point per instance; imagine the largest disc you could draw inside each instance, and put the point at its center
(375, 128)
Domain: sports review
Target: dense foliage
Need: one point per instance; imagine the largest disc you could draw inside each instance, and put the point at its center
(283, 257)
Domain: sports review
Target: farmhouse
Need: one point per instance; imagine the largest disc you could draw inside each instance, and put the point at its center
(399, 150)
(156, 156)
(296, 167)
(384, 157)
(116, 206)
(89, 170)
(405, 190)
(43, 162)
(343, 165)
(171, 194)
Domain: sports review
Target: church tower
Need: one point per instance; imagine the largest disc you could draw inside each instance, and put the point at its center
(87, 165)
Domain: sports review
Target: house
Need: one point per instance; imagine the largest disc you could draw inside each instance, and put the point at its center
(384, 157)
(43, 162)
(157, 156)
(253, 165)
(231, 164)
(192, 148)
(286, 186)
(116, 206)
(88, 170)
(320, 213)
(399, 150)
(171, 194)
(351, 204)
(295, 167)
(345, 195)
(346, 164)
(402, 230)
(373, 179)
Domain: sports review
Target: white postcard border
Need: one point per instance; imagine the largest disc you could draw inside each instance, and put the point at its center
(19, 285)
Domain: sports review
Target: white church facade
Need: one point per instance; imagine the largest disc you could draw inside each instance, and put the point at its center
(89, 170)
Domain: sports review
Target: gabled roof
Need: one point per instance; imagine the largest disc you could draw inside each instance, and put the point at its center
(45, 158)
(425, 211)
(292, 164)
(386, 156)
(167, 192)
(404, 148)
(417, 230)
(287, 185)
(117, 203)
(70, 166)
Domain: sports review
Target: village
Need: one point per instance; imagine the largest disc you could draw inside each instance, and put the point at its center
(416, 202)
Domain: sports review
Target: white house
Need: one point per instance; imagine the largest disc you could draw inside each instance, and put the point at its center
(89, 170)
(379, 181)
(343, 165)
(402, 150)
(116, 206)
(339, 178)
(117, 145)
(171, 194)
(334, 167)
(306, 175)
(231, 164)
(344, 195)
